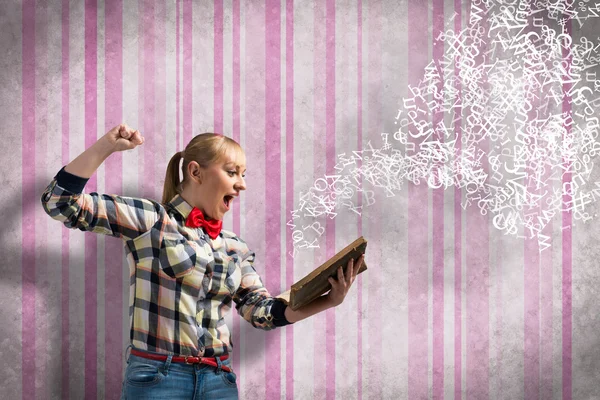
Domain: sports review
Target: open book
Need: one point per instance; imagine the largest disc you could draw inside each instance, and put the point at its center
(316, 284)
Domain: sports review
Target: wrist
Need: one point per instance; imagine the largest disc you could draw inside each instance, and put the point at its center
(104, 147)
(88, 162)
(330, 302)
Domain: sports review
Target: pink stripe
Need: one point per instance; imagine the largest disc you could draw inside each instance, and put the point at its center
(91, 253)
(438, 229)
(113, 183)
(330, 161)
(148, 76)
(160, 96)
(187, 72)
(65, 368)
(236, 136)
(359, 122)
(567, 259)
(289, 185)
(273, 180)
(161, 158)
(458, 237)
(319, 123)
(178, 145)
(65, 232)
(417, 230)
(42, 319)
(28, 241)
(218, 66)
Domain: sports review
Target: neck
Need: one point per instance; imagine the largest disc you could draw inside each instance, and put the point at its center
(185, 196)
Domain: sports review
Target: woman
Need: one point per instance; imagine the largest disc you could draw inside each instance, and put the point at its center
(185, 270)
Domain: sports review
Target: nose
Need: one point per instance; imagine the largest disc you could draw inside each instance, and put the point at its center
(240, 184)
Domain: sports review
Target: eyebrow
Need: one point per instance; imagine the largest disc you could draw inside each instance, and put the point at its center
(233, 164)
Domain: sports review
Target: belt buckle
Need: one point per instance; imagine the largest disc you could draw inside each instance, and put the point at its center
(186, 360)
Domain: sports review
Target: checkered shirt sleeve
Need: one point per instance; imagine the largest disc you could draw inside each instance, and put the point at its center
(118, 216)
(253, 301)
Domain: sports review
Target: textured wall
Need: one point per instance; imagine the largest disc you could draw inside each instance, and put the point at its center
(449, 305)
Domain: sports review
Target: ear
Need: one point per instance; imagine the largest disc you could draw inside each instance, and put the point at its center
(195, 172)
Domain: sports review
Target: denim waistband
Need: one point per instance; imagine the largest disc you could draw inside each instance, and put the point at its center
(173, 366)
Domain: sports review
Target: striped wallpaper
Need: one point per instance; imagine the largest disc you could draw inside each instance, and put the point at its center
(450, 308)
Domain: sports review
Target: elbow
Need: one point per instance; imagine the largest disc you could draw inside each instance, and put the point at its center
(59, 211)
(50, 207)
(45, 200)
(267, 317)
(263, 325)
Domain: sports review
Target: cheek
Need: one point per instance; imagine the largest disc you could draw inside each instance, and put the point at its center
(225, 185)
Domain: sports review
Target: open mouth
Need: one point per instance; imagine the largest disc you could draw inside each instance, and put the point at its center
(227, 201)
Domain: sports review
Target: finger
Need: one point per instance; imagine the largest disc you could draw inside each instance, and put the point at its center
(124, 131)
(340, 274)
(137, 137)
(358, 264)
(350, 271)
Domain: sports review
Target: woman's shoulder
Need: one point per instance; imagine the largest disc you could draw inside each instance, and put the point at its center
(231, 235)
(234, 242)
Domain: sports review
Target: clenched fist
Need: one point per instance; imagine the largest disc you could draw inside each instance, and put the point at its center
(122, 137)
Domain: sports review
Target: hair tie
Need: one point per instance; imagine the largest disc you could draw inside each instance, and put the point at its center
(181, 176)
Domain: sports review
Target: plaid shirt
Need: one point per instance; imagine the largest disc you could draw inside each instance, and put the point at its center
(181, 281)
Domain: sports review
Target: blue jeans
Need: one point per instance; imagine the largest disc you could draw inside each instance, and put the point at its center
(150, 379)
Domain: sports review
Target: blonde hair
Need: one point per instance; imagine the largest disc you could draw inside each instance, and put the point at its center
(205, 149)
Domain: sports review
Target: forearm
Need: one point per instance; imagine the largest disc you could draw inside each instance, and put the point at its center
(88, 162)
(315, 307)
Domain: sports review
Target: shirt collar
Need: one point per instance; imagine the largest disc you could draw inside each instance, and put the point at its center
(182, 206)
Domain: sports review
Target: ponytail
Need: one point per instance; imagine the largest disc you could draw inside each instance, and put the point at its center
(172, 178)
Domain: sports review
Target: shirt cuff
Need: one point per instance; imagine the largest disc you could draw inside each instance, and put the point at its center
(278, 313)
(70, 182)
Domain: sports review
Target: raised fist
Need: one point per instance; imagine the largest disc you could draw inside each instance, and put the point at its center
(122, 137)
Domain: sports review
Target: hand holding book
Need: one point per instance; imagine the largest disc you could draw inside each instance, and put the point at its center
(318, 282)
(341, 285)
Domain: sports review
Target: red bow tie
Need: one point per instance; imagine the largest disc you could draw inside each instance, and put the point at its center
(196, 220)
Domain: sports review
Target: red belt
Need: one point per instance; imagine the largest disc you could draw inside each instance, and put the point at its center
(212, 361)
